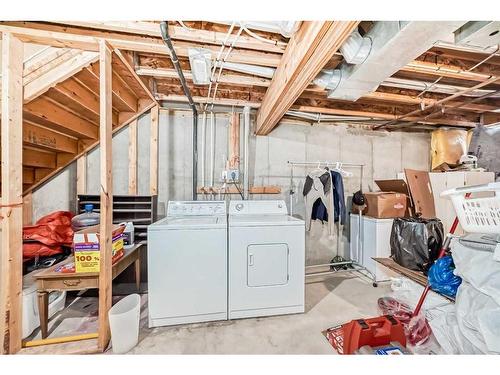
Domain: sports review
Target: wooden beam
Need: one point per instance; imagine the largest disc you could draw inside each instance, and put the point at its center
(35, 158)
(28, 209)
(441, 70)
(37, 136)
(58, 74)
(123, 98)
(307, 52)
(226, 78)
(11, 256)
(203, 99)
(153, 152)
(106, 204)
(427, 101)
(86, 146)
(72, 37)
(490, 118)
(132, 158)
(81, 174)
(121, 57)
(179, 33)
(234, 141)
(36, 65)
(377, 115)
(55, 116)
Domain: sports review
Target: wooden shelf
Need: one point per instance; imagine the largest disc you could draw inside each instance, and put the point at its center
(141, 210)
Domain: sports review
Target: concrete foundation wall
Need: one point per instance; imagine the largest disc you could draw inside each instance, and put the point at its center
(384, 155)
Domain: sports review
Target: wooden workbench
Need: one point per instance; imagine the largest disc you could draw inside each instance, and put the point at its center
(49, 280)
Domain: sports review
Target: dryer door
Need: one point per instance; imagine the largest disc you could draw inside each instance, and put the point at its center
(267, 264)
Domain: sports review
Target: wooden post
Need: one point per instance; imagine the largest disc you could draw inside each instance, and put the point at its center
(153, 151)
(28, 209)
(106, 221)
(234, 141)
(132, 158)
(11, 255)
(81, 174)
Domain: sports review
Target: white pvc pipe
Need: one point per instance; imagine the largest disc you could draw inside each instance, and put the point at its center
(246, 127)
(203, 148)
(212, 148)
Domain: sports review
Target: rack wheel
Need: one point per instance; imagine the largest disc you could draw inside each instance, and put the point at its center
(375, 285)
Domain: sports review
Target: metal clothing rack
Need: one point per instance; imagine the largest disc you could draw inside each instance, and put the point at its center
(353, 266)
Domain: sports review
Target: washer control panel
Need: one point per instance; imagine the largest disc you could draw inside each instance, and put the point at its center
(196, 208)
(263, 207)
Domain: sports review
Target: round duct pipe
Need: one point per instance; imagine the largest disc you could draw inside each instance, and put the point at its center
(328, 79)
(356, 48)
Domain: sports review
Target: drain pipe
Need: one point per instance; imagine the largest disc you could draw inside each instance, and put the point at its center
(173, 56)
(246, 129)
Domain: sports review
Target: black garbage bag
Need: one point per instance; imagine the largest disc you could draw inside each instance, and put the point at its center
(416, 242)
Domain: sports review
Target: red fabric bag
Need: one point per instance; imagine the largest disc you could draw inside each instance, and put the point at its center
(46, 237)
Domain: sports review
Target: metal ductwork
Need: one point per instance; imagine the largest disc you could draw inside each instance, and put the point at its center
(394, 44)
(482, 34)
(328, 79)
(356, 48)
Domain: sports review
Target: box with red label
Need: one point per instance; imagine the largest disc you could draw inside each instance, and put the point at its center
(87, 249)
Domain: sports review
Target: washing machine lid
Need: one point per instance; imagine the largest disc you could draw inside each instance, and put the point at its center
(190, 222)
(263, 220)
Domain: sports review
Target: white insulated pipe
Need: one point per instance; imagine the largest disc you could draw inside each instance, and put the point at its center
(212, 148)
(246, 166)
(203, 148)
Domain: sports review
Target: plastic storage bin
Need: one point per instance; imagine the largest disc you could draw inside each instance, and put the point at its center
(124, 323)
(31, 316)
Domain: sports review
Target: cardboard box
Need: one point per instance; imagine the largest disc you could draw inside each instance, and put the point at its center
(87, 249)
(385, 205)
(398, 186)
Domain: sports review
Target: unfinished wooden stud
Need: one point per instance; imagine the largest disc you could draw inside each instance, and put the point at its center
(11, 256)
(106, 203)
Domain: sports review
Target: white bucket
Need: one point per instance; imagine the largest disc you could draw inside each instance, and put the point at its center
(124, 323)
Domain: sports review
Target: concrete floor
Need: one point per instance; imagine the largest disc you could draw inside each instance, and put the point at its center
(329, 302)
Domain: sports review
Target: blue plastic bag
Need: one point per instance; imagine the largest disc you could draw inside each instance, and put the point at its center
(441, 277)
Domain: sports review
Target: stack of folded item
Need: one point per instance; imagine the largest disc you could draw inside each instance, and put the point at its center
(473, 327)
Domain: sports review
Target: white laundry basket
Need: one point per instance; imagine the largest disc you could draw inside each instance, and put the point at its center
(124, 323)
(477, 215)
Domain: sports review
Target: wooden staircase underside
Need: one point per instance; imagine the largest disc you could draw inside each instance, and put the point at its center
(61, 107)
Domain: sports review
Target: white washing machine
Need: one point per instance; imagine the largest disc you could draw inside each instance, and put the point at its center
(266, 259)
(187, 264)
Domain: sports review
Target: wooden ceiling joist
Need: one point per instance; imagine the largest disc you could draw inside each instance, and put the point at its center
(307, 52)
(58, 74)
(37, 136)
(48, 113)
(72, 37)
(35, 158)
(376, 115)
(179, 33)
(226, 78)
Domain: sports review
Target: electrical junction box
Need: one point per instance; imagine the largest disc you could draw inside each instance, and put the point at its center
(230, 175)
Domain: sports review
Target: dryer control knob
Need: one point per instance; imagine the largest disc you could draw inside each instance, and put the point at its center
(239, 207)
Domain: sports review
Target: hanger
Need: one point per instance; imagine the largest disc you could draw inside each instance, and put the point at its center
(344, 173)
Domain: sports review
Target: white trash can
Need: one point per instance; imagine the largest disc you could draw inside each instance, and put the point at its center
(124, 323)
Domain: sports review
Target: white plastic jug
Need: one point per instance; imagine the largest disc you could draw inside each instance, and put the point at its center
(124, 323)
